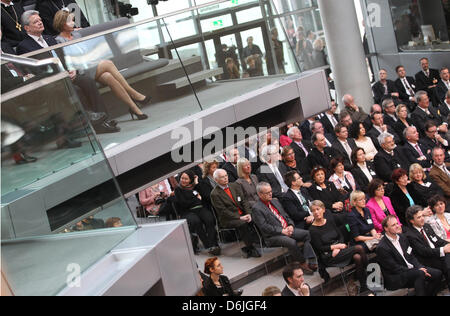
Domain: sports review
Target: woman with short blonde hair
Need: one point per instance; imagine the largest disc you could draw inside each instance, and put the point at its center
(247, 180)
(424, 186)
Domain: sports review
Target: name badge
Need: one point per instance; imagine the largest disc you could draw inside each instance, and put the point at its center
(409, 250)
(373, 173)
(319, 188)
(398, 165)
(369, 221)
(239, 198)
(434, 239)
(428, 184)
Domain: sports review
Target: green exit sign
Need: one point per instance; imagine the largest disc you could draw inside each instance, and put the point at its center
(218, 23)
(235, 2)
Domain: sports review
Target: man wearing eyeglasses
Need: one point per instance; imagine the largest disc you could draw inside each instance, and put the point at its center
(279, 230)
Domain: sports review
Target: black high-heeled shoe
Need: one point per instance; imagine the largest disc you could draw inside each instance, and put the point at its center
(144, 102)
(139, 116)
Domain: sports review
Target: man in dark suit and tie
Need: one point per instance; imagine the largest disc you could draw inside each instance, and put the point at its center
(429, 248)
(443, 85)
(12, 28)
(301, 148)
(424, 113)
(278, 229)
(230, 165)
(269, 171)
(330, 119)
(390, 117)
(388, 158)
(445, 107)
(321, 155)
(400, 267)
(384, 88)
(427, 80)
(344, 145)
(296, 201)
(378, 127)
(233, 211)
(413, 151)
(406, 87)
(295, 281)
(433, 139)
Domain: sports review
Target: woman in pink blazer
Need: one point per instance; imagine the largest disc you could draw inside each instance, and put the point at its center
(379, 205)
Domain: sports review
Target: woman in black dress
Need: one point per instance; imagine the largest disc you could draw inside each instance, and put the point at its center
(328, 243)
(190, 206)
(363, 171)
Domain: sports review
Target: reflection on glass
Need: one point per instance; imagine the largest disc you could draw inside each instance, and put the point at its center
(421, 25)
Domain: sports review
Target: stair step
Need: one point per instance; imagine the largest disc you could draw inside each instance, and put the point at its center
(195, 77)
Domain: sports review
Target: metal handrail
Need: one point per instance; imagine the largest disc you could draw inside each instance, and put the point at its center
(28, 61)
(124, 27)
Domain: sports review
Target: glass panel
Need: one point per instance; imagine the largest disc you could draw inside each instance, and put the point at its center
(421, 25)
(249, 15)
(125, 67)
(216, 23)
(54, 179)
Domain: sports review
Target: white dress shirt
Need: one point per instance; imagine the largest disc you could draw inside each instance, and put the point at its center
(366, 171)
(40, 40)
(347, 148)
(332, 119)
(442, 254)
(396, 243)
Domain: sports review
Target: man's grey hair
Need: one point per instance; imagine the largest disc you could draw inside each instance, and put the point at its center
(383, 136)
(26, 16)
(216, 173)
(420, 94)
(386, 102)
(436, 149)
(345, 98)
(261, 185)
(408, 131)
(291, 131)
(267, 151)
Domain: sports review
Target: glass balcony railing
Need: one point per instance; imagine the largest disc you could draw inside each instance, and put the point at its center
(61, 209)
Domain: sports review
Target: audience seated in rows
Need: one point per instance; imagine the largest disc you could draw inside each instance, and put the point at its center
(388, 158)
(384, 88)
(343, 145)
(406, 86)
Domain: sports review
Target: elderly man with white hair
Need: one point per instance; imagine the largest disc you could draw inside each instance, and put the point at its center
(301, 148)
(278, 229)
(234, 211)
(388, 158)
(269, 171)
(356, 112)
(413, 151)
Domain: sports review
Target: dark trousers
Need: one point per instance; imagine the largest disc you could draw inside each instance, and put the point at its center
(201, 221)
(442, 264)
(87, 91)
(423, 285)
(290, 242)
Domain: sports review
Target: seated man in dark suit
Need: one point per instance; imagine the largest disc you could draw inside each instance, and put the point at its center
(443, 85)
(278, 229)
(384, 88)
(424, 113)
(12, 29)
(344, 145)
(230, 165)
(321, 155)
(270, 172)
(413, 151)
(400, 267)
(296, 201)
(433, 139)
(295, 282)
(406, 87)
(233, 211)
(317, 127)
(388, 158)
(430, 249)
(301, 148)
(444, 109)
(330, 119)
(390, 117)
(378, 127)
(427, 80)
